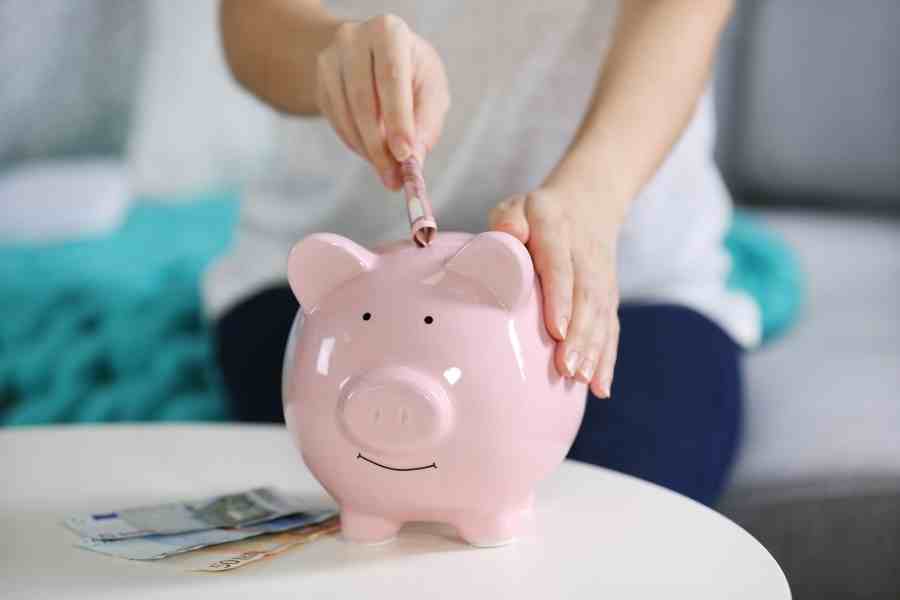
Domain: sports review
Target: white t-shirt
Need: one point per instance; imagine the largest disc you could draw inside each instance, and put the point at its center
(521, 75)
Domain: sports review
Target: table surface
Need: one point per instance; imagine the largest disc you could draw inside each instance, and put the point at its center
(600, 534)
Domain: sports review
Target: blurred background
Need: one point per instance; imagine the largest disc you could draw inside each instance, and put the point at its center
(124, 144)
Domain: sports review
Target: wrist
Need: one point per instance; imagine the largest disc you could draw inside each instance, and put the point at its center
(587, 181)
(272, 47)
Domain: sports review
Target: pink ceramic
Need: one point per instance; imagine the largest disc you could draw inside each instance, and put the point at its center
(419, 383)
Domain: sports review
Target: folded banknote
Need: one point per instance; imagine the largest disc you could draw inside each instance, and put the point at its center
(228, 557)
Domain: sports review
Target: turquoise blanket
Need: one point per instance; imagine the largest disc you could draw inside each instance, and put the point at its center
(111, 329)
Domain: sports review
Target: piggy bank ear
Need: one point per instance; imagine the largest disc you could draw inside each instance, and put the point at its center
(321, 262)
(500, 263)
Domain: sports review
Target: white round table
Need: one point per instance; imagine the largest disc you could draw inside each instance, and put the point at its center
(600, 534)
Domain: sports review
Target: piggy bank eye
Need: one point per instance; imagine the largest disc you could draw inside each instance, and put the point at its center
(367, 316)
(429, 319)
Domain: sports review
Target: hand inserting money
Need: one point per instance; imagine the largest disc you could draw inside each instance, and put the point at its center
(156, 532)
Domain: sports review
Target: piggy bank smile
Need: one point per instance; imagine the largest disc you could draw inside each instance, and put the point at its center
(378, 464)
(419, 383)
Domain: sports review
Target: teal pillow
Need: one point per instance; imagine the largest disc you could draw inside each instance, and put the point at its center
(765, 267)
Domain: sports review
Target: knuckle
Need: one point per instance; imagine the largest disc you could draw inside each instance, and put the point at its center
(543, 215)
(600, 331)
(505, 204)
(588, 293)
(560, 274)
(361, 98)
(390, 68)
(514, 200)
(388, 23)
(613, 307)
(345, 33)
(321, 94)
(376, 154)
(614, 327)
(322, 62)
(325, 66)
(550, 264)
(577, 340)
(601, 307)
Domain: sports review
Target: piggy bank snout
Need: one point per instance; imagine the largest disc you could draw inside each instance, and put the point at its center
(394, 411)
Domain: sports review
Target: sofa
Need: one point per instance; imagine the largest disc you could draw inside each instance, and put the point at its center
(808, 96)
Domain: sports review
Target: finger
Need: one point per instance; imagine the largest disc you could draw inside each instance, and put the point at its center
(431, 97)
(359, 84)
(587, 334)
(509, 216)
(326, 108)
(601, 385)
(553, 263)
(393, 82)
(333, 103)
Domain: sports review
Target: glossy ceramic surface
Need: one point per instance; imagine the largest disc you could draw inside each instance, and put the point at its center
(419, 383)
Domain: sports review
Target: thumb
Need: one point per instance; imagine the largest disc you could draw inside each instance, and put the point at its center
(509, 217)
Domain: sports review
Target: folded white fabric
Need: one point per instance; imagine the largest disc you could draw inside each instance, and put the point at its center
(194, 128)
(50, 201)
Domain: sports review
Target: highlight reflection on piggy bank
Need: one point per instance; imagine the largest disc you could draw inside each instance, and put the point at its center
(419, 383)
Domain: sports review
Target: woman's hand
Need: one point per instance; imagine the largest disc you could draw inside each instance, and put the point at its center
(384, 90)
(573, 244)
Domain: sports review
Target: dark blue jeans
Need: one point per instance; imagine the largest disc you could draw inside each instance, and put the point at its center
(674, 416)
(675, 413)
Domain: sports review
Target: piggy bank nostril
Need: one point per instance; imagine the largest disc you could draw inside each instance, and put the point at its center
(404, 416)
(377, 415)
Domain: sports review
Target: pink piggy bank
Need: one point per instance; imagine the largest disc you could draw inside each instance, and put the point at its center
(419, 383)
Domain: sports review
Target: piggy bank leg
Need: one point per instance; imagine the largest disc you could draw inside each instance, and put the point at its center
(367, 529)
(488, 530)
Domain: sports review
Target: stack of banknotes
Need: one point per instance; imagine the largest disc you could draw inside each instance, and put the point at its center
(155, 532)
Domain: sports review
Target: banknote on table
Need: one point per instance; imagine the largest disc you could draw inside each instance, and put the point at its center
(229, 557)
(231, 510)
(154, 547)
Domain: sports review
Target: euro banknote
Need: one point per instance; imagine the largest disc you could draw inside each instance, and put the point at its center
(231, 510)
(154, 547)
(229, 557)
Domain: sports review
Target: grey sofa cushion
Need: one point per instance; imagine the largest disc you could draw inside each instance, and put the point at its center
(817, 479)
(68, 72)
(809, 103)
(823, 403)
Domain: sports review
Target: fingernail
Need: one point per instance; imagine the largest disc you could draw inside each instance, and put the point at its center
(587, 370)
(400, 148)
(605, 390)
(571, 362)
(563, 326)
(389, 177)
